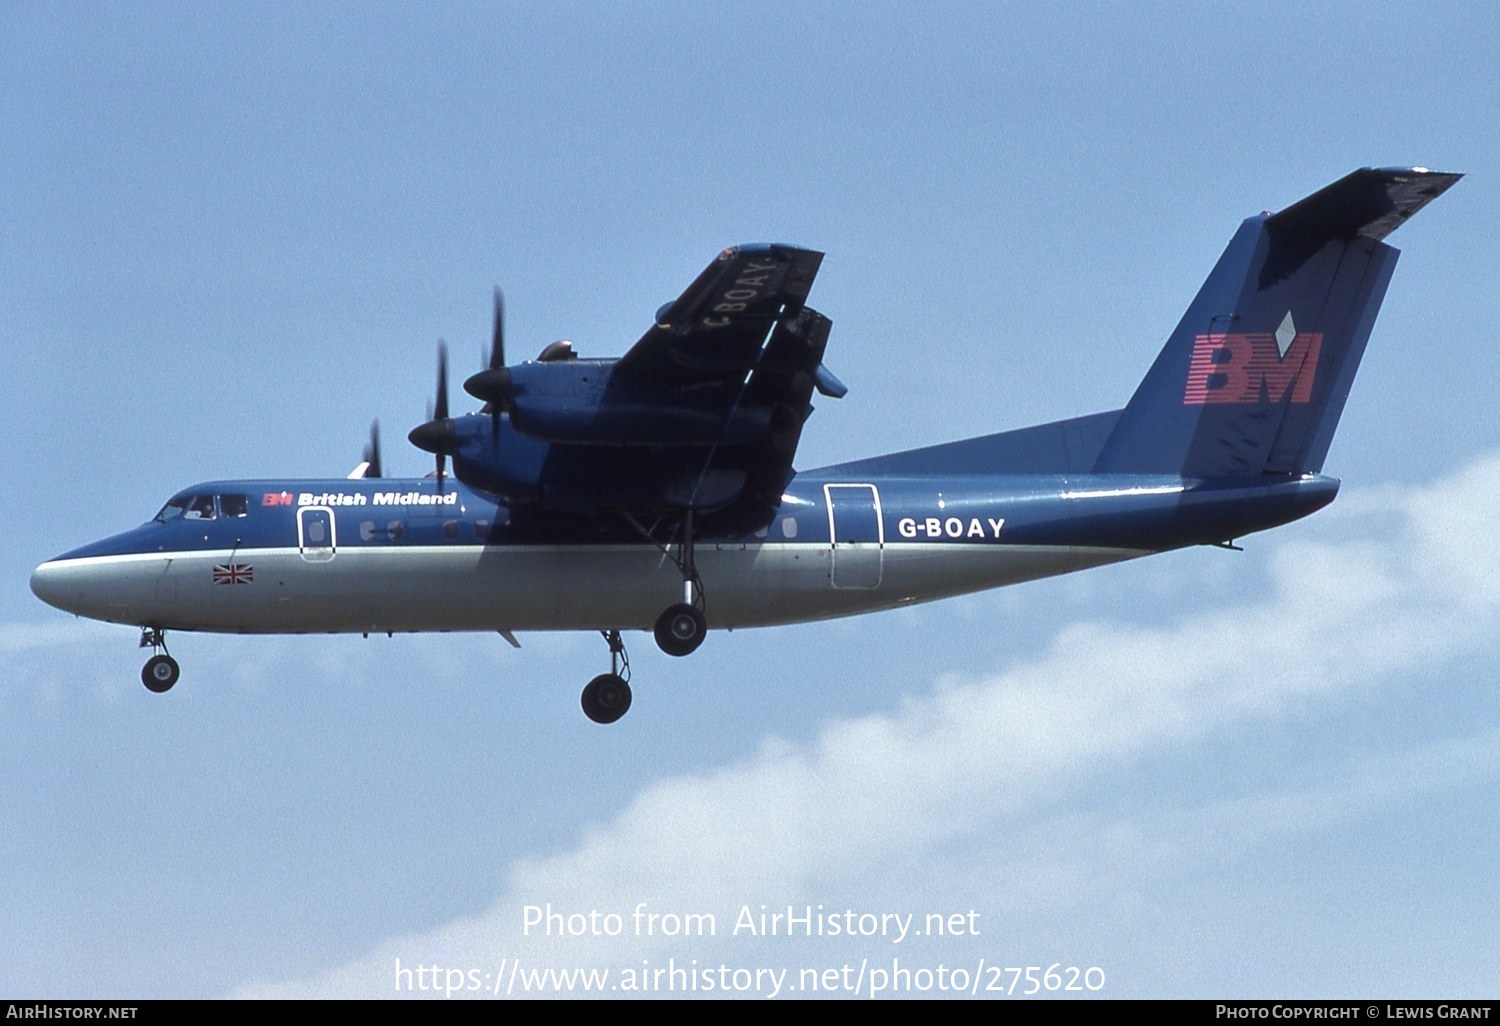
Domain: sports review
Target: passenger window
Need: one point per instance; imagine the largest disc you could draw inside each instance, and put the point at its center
(789, 528)
(234, 505)
(395, 529)
(367, 530)
(201, 508)
(315, 531)
(450, 529)
(482, 529)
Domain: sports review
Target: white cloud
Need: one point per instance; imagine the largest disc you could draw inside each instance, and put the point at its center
(18, 638)
(986, 777)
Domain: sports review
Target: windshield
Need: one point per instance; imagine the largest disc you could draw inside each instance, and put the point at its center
(189, 507)
(173, 509)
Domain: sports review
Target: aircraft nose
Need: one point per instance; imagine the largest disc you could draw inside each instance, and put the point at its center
(47, 584)
(102, 587)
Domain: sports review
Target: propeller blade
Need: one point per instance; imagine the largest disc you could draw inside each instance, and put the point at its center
(437, 435)
(496, 362)
(492, 385)
(442, 408)
(497, 340)
(372, 451)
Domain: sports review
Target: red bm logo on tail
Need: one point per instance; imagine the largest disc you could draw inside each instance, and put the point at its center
(1243, 368)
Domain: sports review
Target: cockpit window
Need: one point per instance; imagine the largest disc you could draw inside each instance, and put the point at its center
(189, 507)
(234, 505)
(174, 508)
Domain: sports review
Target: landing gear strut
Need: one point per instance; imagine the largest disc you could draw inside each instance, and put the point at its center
(682, 627)
(607, 697)
(161, 670)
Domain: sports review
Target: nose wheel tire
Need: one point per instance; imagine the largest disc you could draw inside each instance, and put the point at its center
(680, 629)
(606, 698)
(160, 673)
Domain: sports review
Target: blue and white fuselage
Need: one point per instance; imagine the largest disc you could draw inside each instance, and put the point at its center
(390, 555)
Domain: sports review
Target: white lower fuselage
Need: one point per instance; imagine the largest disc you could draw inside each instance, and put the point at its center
(530, 588)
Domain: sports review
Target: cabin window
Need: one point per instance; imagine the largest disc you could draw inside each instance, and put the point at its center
(482, 529)
(395, 530)
(367, 530)
(789, 528)
(234, 505)
(450, 530)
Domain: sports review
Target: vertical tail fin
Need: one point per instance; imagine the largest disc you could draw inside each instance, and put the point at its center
(1255, 377)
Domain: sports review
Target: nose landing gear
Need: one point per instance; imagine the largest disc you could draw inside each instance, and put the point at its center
(607, 697)
(161, 670)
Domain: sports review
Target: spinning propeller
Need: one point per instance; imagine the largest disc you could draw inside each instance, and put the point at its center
(438, 436)
(372, 451)
(493, 385)
(369, 465)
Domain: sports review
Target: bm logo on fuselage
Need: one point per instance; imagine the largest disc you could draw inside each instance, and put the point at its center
(1251, 369)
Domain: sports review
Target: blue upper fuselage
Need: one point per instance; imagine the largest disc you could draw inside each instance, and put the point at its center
(1144, 513)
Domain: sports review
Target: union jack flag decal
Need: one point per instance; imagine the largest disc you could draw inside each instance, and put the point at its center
(234, 573)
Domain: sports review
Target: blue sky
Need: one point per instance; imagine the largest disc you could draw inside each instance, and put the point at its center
(229, 238)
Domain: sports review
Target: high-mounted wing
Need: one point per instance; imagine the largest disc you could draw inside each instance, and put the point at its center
(706, 410)
(703, 413)
(740, 347)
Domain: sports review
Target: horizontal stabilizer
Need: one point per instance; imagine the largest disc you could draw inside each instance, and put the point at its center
(1373, 202)
(1370, 202)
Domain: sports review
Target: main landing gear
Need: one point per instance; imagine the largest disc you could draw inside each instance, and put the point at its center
(681, 627)
(161, 670)
(679, 630)
(607, 697)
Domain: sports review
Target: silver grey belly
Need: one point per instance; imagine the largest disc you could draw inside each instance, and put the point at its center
(531, 588)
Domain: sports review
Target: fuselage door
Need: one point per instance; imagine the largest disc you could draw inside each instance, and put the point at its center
(315, 533)
(856, 534)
